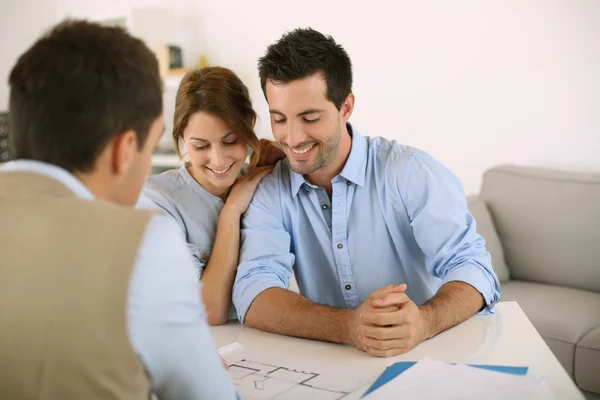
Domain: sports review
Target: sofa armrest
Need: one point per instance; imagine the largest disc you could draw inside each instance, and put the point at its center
(486, 228)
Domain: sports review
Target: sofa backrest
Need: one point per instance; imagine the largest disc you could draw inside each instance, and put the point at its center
(548, 222)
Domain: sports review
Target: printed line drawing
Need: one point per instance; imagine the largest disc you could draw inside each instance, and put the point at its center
(258, 380)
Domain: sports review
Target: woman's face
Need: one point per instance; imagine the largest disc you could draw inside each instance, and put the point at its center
(217, 154)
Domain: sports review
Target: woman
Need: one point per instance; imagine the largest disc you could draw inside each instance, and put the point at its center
(214, 123)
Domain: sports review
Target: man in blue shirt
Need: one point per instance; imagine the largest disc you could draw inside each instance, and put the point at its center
(378, 234)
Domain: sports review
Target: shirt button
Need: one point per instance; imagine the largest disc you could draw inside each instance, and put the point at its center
(307, 192)
(348, 183)
(324, 206)
(204, 256)
(340, 245)
(348, 287)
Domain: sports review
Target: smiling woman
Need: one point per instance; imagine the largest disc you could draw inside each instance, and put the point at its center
(214, 100)
(214, 127)
(216, 153)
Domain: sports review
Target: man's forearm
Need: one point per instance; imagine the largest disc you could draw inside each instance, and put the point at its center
(453, 303)
(285, 312)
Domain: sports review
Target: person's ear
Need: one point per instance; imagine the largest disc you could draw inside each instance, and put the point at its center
(125, 147)
(347, 108)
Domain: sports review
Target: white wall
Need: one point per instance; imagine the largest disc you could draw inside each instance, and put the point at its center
(475, 83)
(21, 22)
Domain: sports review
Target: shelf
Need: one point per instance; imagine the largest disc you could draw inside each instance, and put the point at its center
(166, 160)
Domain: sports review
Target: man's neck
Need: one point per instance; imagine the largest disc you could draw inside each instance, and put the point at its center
(96, 184)
(323, 176)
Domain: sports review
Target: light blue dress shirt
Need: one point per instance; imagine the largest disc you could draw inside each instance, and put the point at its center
(396, 216)
(166, 319)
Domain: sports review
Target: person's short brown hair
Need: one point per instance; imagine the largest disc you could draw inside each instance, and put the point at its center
(217, 91)
(78, 87)
(303, 52)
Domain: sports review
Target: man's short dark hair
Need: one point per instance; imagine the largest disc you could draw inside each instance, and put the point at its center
(78, 87)
(302, 53)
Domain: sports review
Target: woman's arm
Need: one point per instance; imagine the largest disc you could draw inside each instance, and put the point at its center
(219, 274)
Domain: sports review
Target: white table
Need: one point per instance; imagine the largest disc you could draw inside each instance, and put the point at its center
(506, 338)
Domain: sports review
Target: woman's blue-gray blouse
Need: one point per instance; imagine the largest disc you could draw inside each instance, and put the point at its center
(193, 207)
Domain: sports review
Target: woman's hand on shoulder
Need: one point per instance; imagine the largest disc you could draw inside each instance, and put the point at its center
(270, 153)
(243, 189)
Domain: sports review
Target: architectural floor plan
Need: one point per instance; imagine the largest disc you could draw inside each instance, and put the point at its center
(260, 376)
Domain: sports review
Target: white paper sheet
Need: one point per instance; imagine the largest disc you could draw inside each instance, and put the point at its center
(430, 379)
(258, 375)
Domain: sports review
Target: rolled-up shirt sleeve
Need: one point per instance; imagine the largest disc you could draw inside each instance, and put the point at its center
(445, 230)
(265, 257)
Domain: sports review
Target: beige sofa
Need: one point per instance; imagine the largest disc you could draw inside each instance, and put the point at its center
(542, 228)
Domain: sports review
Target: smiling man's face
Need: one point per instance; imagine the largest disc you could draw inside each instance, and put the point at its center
(305, 122)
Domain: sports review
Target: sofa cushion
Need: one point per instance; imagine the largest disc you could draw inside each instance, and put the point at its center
(587, 361)
(485, 227)
(590, 395)
(561, 315)
(548, 222)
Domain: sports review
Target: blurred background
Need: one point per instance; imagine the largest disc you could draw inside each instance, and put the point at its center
(474, 83)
